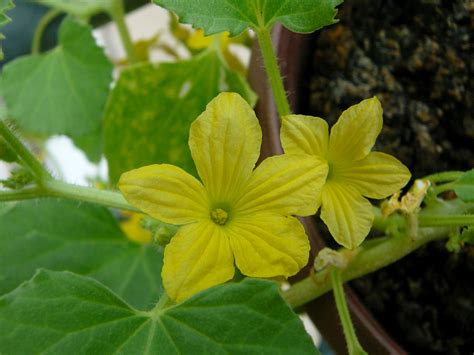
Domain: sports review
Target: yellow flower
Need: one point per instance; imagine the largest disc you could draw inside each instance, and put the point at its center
(198, 40)
(133, 230)
(237, 213)
(354, 171)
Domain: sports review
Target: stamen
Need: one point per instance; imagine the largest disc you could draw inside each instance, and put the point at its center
(219, 216)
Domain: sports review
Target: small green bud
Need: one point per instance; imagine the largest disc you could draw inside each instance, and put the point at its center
(164, 233)
(328, 256)
(18, 179)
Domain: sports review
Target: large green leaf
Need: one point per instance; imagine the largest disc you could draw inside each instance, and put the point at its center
(464, 186)
(62, 235)
(64, 313)
(235, 16)
(5, 5)
(63, 91)
(149, 111)
(80, 8)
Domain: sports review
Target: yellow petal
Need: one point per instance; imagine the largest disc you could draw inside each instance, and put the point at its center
(269, 245)
(166, 193)
(376, 176)
(198, 40)
(348, 215)
(285, 184)
(304, 135)
(198, 257)
(225, 144)
(354, 134)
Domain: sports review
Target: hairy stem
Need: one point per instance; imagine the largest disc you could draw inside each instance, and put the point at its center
(52, 188)
(40, 28)
(273, 72)
(435, 220)
(444, 176)
(87, 194)
(29, 161)
(370, 256)
(353, 344)
(47, 186)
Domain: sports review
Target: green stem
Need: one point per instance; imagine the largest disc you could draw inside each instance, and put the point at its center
(88, 194)
(40, 28)
(47, 186)
(353, 344)
(444, 187)
(436, 220)
(381, 223)
(371, 256)
(444, 176)
(117, 13)
(26, 193)
(273, 71)
(29, 161)
(52, 188)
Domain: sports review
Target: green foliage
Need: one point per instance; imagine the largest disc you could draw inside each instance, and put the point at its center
(60, 313)
(85, 239)
(235, 16)
(149, 111)
(91, 144)
(80, 8)
(6, 154)
(5, 5)
(19, 178)
(458, 240)
(464, 186)
(63, 91)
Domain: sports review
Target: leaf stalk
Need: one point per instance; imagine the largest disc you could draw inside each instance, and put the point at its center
(353, 344)
(117, 13)
(273, 71)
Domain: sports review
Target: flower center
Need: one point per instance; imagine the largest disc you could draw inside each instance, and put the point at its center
(219, 216)
(330, 172)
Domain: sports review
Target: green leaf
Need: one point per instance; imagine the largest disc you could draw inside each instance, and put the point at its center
(467, 235)
(91, 145)
(63, 91)
(6, 154)
(464, 186)
(5, 5)
(81, 8)
(235, 16)
(62, 235)
(149, 111)
(61, 313)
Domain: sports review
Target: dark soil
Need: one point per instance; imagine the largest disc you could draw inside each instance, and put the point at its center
(416, 57)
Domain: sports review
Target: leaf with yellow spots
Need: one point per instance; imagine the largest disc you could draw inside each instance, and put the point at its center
(149, 111)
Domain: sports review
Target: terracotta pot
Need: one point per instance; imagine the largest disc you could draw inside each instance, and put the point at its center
(293, 51)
